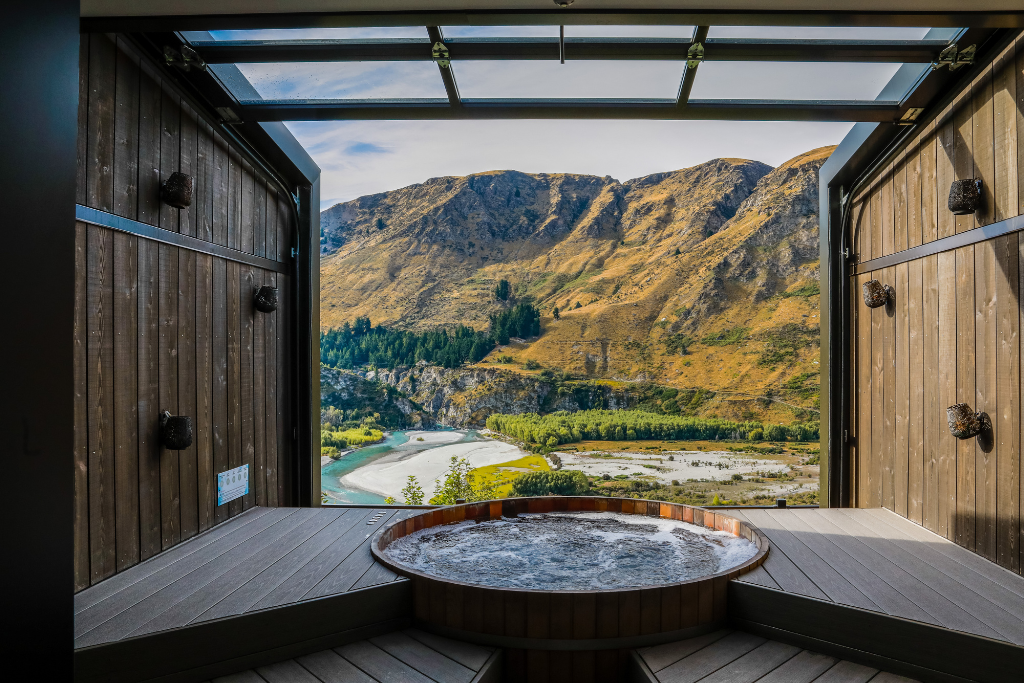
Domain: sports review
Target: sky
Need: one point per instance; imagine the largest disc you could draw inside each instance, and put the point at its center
(366, 157)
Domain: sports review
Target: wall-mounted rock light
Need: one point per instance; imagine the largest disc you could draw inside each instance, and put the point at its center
(265, 299)
(177, 190)
(175, 431)
(964, 423)
(964, 196)
(876, 294)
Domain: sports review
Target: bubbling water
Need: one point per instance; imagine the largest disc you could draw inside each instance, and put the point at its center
(571, 551)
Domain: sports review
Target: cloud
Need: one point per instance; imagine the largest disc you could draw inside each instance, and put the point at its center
(419, 150)
(366, 148)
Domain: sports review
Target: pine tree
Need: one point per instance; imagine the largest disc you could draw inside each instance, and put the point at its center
(555, 313)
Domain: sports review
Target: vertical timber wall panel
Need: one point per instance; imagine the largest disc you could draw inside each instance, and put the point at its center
(159, 327)
(952, 331)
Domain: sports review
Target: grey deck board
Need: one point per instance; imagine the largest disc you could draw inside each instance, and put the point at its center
(739, 657)
(847, 672)
(374, 576)
(346, 574)
(471, 656)
(660, 656)
(1001, 606)
(241, 677)
(886, 677)
(122, 580)
(379, 664)
(941, 609)
(396, 657)
(760, 577)
(305, 579)
(288, 671)
(1013, 583)
(829, 547)
(264, 558)
(944, 606)
(199, 601)
(270, 578)
(118, 604)
(803, 668)
(143, 612)
(330, 667)
(754, 665)
(711, 658)
(427, 661)
(786, 575)
(824, 575)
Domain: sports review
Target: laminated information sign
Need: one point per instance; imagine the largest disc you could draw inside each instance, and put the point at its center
(232, 484)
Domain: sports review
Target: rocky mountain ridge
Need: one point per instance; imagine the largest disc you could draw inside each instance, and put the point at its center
(691, 278)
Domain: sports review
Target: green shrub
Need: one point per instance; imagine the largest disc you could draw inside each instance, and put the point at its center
(561, 483)
(531, 364)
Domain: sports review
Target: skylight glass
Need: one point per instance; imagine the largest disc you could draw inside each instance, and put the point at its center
(343, 80)
(685, 32)
(323, 33)
(582, 79)
(791, 80)
(499, 31)
(603, 31)
(820, 32)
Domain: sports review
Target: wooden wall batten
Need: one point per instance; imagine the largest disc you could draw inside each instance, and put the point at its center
(164, 324)
(952, 332)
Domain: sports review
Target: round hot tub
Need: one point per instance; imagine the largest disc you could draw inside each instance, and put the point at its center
(570, 584)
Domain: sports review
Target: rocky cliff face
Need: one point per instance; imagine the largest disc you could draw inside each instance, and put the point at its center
(642, 271)
(466, 397)
(347, 390)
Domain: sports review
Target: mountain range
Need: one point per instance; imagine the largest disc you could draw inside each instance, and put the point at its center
(704, 277)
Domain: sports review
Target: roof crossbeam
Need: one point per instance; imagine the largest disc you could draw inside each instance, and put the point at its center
(695, 55)
(665, 49)
(451, 88)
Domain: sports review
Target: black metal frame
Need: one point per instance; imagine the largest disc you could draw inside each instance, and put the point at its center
(911, 91)
(862, 151)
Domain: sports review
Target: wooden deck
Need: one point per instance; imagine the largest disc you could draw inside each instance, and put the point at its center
(856, 582)
(878, 561)
(737, 657)
(409, 656)
(265, 562)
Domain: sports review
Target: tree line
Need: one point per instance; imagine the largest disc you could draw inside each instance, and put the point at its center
(627, 425)
(360, 343)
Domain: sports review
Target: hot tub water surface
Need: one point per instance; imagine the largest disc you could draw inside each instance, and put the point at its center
(571, 551)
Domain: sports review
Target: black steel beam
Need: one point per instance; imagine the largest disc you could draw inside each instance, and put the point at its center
(575, 16)
(451, 88)
(700, 36)
(673, 49)
(666, 109)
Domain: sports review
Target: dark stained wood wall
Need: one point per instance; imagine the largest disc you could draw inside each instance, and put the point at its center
(953, 332)
(158, 327)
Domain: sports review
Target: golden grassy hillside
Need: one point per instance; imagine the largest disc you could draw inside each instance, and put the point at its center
(720, 259)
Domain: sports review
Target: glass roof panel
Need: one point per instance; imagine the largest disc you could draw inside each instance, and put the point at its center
(820, 32)
(499, 31)
(603, 31)
(341, 80)
(582, 79)
(629, 32)
(791, 80)
(322, 33)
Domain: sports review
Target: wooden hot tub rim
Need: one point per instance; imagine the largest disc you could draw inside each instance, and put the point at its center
(545, 619)
(687, 513)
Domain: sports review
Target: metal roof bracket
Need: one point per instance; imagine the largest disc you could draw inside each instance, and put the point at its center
(695, 55)
(955, 59)
(439, 53)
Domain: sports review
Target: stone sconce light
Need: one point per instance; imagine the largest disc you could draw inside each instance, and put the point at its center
(876, 294)
(964, 196)
(175, 431)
